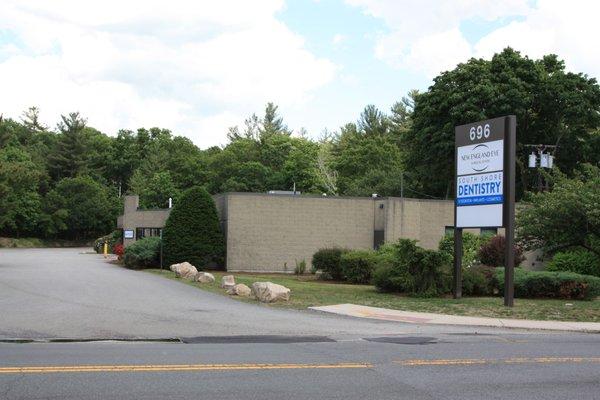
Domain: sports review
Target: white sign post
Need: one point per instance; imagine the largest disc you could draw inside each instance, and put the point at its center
(485, 174)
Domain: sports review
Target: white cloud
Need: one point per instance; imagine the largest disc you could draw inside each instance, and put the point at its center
(425, 36)
(338, 38)
(569, 29)
(193, 67)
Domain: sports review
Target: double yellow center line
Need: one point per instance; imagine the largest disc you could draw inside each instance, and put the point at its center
(169, 368)
(480, 361)
(240, 367)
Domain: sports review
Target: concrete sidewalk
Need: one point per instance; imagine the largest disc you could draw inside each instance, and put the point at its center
(385, 314)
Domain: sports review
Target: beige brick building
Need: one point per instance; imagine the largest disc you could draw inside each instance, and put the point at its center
(270, 233)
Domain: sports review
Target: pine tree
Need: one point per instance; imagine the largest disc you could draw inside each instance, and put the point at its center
(272, 123)
(192, 232)
(69, 158)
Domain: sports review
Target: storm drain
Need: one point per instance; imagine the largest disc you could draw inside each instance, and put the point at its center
(403, 340)
(271, 339)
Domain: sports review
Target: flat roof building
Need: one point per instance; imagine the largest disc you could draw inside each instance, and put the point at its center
(271, 232)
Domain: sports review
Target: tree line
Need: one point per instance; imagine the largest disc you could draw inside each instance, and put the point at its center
(66, 182)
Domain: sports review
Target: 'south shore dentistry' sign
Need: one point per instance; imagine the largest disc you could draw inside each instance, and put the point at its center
(480, 173)
(485, 189)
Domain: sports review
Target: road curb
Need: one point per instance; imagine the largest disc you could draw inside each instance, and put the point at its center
(384, 314)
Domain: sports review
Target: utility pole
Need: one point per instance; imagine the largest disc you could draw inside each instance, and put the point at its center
(542, 156)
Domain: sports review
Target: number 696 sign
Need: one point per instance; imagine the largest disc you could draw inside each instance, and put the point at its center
(479, 131)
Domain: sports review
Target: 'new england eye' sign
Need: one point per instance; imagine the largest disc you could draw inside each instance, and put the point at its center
(480, 186)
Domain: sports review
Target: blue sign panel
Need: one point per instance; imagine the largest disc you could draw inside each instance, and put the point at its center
(479, 189)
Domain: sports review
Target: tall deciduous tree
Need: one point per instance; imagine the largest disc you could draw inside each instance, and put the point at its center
(80, 208)
(552, 107)
(568, 216)
(20, 202)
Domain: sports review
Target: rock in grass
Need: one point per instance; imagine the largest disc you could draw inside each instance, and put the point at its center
(204, 277)
(184, 270)
(227, 282)
(268, 292)
(240, 290)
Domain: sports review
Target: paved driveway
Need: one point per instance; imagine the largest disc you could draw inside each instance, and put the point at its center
(65, 293)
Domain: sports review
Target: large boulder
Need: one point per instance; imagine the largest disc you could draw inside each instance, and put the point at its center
(240, 290)
(184, 270)
(227, 282)
(268, 292)
(204, 277)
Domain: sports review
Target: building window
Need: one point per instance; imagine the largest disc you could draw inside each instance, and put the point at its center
(449, 230)
(147, 232)
(488, 231)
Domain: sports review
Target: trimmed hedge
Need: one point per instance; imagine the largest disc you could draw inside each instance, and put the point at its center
(408, 268)
(548, 284)
(192, 232)
(580, 261)
(357, 266)
(143, 253)
(479, 280)
(328, 261)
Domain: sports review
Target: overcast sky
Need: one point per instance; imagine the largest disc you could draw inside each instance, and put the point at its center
(198, 67)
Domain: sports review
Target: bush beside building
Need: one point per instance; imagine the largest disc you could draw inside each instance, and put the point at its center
(192, 232)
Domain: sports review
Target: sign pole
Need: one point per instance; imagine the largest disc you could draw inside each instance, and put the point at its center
(509, 210)
(457, 290)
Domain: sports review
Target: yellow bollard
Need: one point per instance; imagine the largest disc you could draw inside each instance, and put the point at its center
(105, 249)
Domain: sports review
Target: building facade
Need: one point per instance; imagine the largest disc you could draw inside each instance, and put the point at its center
(272, 232)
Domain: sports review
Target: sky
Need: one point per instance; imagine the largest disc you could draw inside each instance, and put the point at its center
(199, 67)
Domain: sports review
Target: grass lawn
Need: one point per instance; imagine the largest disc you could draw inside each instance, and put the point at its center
(307, 292)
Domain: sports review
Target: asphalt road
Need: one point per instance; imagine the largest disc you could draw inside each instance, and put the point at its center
(549, 366)
(46, 294)
(63, 293)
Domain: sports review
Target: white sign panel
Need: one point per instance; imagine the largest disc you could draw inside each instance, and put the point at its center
(128, 234)
(481, 157)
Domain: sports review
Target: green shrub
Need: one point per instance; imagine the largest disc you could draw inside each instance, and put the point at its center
(300, 268)
(548, 284)
(492, 252)
(471, 245)
(479, 280)
(406, 267)
(358, 265)
(328, 262)
(192, 232)
(112, 239)
(580, 261)
(143, 253)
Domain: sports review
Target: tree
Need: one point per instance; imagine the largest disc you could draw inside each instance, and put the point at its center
(154, 190)
(31, 120)
(361, 158)
(20, 202)
(566, 217)
(80, 208)
(69, 158)
(552, 106)
(271, 123)
(192, 232)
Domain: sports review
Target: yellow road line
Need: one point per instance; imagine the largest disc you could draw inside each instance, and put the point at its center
(163, 368)
(520, 360)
